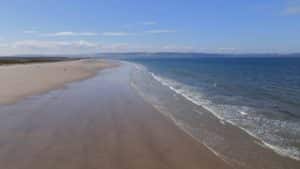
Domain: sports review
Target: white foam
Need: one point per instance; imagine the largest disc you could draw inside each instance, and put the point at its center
(188, 96)
(162, 110)
(243, 113)
(196, 98)
(288, 152)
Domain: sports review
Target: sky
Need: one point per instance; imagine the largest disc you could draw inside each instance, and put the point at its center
(93, 26)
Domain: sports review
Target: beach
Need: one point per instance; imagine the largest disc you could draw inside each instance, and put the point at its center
(21, 80)
(150, 84)
(97, 123)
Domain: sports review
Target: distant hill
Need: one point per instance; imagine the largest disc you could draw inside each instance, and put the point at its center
(133, 55)
(31, 59)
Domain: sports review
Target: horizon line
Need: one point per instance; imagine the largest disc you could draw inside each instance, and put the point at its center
(153, 53)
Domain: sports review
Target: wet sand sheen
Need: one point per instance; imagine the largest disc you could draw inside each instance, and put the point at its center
(97, 123)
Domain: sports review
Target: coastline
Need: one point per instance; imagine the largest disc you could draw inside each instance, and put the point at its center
(226, 140)
(109, 123)
(100, 122)
(21, 80)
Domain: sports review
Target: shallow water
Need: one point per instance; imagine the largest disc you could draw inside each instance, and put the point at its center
(182, 88)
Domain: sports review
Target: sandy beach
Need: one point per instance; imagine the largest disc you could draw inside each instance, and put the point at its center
(22, 80)
(98, 123)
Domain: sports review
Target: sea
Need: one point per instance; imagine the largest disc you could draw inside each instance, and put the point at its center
(216, 98)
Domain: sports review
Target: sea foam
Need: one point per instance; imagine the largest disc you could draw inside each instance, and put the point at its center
(230, 114)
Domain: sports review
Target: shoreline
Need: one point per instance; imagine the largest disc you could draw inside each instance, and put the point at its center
(229, 142)
(19, 81)
(279, 150)
(106, 110)
(100, 122)
(226, 140)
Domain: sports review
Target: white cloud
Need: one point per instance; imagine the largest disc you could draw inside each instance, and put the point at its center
(292, 8)
(59, 47)
(31, 31)
(83, 46)
(53, 47)
(116, 34)
(57, 34)
(149, 23)
(158, 31)
(39, 44)
(69, 33)
(108, 33)
(138, 24)
(226, 49)
(115, 47)
(3, 45)
(178, 48)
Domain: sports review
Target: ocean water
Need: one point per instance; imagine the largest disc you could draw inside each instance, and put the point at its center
(260, 96)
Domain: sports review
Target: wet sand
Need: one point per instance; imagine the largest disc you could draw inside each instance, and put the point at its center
(98, 123)
(22, 80)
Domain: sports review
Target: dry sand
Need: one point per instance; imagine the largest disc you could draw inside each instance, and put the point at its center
(19, 81)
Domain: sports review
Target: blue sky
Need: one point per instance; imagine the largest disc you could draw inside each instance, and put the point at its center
(88, 26)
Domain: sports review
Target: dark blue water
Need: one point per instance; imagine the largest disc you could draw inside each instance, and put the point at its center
(259, 95)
